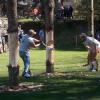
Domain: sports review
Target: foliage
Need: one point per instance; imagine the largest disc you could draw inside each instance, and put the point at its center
(83, 8)
(63, 31)
(67, 34)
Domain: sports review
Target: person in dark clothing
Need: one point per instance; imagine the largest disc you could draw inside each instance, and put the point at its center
(68, 10)
(97, 35)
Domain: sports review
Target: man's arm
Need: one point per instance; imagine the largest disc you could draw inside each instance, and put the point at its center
(35, 45)
(36, 40)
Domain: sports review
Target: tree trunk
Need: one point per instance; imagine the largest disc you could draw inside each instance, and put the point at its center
(49, 25)
(92, 17)
(13, 68)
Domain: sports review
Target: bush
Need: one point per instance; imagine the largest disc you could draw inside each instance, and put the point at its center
(66, 34)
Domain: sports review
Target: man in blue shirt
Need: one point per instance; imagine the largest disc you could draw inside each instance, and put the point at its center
(26, 43)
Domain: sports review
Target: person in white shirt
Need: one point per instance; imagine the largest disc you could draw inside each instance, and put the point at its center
(93, 47)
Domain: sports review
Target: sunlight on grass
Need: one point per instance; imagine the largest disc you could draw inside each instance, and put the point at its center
(71, 81)
(65, 61)
(25, 20)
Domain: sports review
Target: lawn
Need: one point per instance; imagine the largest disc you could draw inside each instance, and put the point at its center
(71, 81)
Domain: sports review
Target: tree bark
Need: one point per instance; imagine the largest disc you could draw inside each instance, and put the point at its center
(92, 17)
(13, 68)
(49, 25)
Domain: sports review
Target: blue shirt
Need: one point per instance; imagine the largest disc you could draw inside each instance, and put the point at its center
(25, 43)
(41, 34)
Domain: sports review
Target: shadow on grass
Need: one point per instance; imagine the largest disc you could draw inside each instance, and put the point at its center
(61, 86)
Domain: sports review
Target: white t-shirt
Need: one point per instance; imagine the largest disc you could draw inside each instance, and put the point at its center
(92, 42)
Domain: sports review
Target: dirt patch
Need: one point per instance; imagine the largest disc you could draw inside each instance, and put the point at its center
(22, 87)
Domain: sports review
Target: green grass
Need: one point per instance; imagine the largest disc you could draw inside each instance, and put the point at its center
(73, 82)
(25, 20)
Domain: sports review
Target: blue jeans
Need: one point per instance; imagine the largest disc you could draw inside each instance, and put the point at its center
(26, 59)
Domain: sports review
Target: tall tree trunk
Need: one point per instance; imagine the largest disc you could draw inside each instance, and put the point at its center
(49, 25)
(13, 68)
(92, 17)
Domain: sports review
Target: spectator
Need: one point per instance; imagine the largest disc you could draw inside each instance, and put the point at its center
(41, 34)
(60, 12)
(42, 37)
(97, 35)
(68, 10)
(5, 42)
(20, 32)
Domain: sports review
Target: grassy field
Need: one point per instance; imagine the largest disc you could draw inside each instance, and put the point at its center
(70, 82)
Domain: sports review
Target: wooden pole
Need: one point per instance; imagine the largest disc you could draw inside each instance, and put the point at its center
(92, 17)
